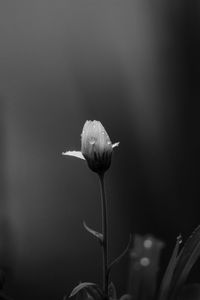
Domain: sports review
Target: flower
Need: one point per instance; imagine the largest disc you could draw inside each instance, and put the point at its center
(96, 147)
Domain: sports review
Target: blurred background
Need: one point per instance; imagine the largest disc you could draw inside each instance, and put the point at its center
(133, 65)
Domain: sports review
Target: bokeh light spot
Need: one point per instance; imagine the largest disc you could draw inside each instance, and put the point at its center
(148, 243)
(145, 261)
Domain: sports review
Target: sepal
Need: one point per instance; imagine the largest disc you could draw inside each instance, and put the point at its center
(77, 154)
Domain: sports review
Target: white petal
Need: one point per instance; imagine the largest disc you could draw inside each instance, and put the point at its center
(77, 154)
(115, 145)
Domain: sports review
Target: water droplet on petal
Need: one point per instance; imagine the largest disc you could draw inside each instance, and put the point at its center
(109, 142)
(103, 132)
(92, 141)
(179, 238)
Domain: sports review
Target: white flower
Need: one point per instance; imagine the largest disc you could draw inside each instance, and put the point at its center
(96, 147)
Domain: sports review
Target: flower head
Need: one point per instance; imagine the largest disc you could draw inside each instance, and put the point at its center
(96, 147)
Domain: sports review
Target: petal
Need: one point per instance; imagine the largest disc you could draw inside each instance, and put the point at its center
(77, 154)
(115, 145)
(94, 138)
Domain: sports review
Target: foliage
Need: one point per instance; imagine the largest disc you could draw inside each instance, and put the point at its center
(96, 149)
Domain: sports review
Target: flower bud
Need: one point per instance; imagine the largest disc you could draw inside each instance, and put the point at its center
(96, 146)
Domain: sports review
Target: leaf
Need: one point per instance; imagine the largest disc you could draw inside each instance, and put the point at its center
(186, 259)
(81, 286)
(91, 288)
(77, 154)
(97, 234)
(126, 297)
(81, 295)
(116, 260)
(165, 285)
(96, 293)
(112, 293)
(190, 292)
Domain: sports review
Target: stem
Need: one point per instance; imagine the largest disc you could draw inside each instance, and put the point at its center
(105, 234)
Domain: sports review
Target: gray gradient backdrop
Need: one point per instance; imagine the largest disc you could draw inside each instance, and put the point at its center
(134, 65)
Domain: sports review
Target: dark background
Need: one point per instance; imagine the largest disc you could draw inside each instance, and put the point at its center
(133, 65)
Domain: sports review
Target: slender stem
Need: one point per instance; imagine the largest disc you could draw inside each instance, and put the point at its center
(105, 234)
